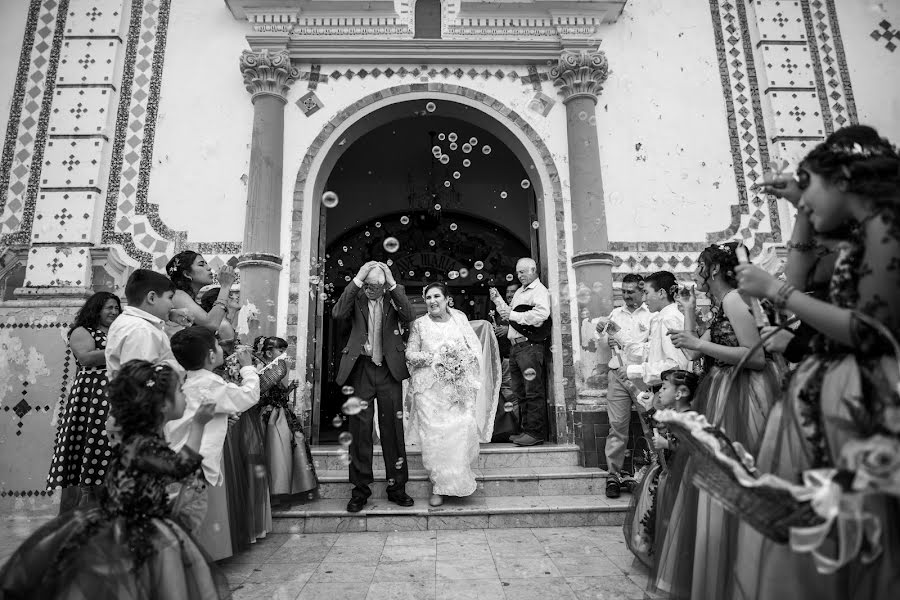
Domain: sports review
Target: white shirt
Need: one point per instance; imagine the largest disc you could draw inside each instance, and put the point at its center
(634, 330)
(536, 295)
(136, 334)
(204, 386)
(660, 353)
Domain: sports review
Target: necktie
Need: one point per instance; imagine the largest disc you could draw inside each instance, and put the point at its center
(375, 331)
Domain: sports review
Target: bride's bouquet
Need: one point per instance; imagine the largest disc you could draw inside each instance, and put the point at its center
(451, 364)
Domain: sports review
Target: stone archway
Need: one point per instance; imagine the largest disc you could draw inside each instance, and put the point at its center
(480, 109)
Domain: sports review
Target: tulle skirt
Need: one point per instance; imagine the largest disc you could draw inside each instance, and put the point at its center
(289, 458)
(640, 521)
(101, 566)
(214, 532)
(676, 524)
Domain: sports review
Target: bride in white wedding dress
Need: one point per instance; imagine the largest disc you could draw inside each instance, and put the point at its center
(443, 355)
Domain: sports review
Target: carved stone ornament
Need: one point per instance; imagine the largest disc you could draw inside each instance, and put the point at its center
(268, 72)
(580, 73)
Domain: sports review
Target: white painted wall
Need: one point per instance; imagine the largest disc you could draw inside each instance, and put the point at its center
(12, 27)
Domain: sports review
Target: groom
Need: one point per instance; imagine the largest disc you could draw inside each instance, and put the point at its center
(374, 363)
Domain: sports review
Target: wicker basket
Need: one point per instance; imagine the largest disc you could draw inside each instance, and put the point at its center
(771, 511)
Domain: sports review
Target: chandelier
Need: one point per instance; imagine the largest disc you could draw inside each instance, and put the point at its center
(438, 191)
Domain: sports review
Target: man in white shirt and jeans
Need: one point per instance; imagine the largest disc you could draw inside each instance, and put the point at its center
(527, 354)
(626, 330)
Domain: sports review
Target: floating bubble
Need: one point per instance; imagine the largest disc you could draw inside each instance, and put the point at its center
(503, 194)
(347, 390)
(529, 374)
(453, 146)
(615, 198)
(404, 220)
(427, 273)
(592, 120)
(452, 274)
(473, 141)
(345, 248)
(445, 159)
(453, 227)
(479, 265)
(390, 482)
(437, 207)
(364, 404)
(345, 438)
(389, 262)
(431, 107)
(509, 406)
(574, 226)
(329, 199)
(337, 421)
(323, 296)
(399, 414)
(467, 162)
(480, 277)
(399, 463)
(411, 273)
(368, 234)
(431, 243)
(259, 471)
(525, 184)
(437, 151)
(442, 137)
(353, 406)
(347, 278)
(466, 148)
(391, 245)
(456, 175)
(344, 457)
(452, 137)
(471, 303)
(340, 263)
(486, 149)
(447, 184)
(535, 225)
(463, 273)
(509, 277)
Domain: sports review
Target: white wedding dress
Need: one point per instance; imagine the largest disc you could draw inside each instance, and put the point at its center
(444, 414)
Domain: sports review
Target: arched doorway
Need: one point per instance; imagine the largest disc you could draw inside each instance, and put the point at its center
(446, 202)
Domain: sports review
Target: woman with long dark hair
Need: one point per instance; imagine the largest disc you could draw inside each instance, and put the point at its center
(81, 454)
(190, 273)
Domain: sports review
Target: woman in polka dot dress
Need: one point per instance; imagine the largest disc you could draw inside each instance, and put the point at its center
(81, 452)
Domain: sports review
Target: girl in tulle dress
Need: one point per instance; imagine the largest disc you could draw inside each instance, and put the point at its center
(841, 409)
(131, 546)
(641, 530)
(740, 411)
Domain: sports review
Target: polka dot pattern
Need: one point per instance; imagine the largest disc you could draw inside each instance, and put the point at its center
(81, 453)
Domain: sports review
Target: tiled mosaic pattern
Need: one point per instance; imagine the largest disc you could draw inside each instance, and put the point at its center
(129, 219)
(531, 78)
(30, 111)
(887, 34)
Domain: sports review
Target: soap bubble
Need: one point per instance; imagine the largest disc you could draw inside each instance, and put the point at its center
(345, 248)
(347, 278)
(353, 406)
(368, 234)
(467, 162)
(529, 374)
(508, 406)
(479, 277)
(486, 149)
(345, 439)
(452, 274)
(437, 207)
(340, 263)
(431, 107)
(503, 194)
(391, 244)
(456, 175)
(479, 265)
(389, 262)
(582, 115)
(453, 146)
(525, 184)
(445, 159)
(463, 273)
(329, 199)
(436, 150)
(452, 137)
(466, 148)
(364, 404)
(412, 273)
(323, 296)
(473, 141)
(431, 243)
(377, 223)
(427, 273)
(592, 120)
(509, 277)
(535, 225)
(259, 471)
(347, 390)
(453, 226)
(344, 458)
(404, 220)
(447, 184)
(399, 414)
(337, 421)
(615, 198)
(442, 137)
(399, 463)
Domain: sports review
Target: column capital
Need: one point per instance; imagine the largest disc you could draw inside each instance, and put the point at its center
(268, 72)
(580, 73)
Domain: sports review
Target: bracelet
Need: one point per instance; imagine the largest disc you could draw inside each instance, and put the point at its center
(802, 246)
(781, 298)
(220, 303)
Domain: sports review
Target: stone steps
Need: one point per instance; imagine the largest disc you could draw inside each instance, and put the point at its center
(539, 486)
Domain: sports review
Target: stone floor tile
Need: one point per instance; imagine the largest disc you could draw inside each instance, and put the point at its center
(525, 567)
(554, 588)
(465, 569)
(237, 573)
(611, 587)
(406, 590)
(478, 589)
(462, 535)
(267, 591)
(396, 552)
(586, 566)
(573, 549)
(262, 550)
(471, 551)
(360, 555)
(300, 554)
(509, 535)
(334, 591)
(362, 538)
(513, 550)
(410, 570)
(411, 538)
(337, 572)
(282, 573)
(311, 539)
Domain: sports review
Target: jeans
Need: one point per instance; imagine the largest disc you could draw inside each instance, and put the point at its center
(529, 391)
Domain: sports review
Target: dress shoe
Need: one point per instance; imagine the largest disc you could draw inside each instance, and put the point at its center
(515, 437)
(526, 439)
(613, 486)
(401, 499)
(436, 500)
(355, 505)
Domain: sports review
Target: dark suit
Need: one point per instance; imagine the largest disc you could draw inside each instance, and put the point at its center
(372, 381)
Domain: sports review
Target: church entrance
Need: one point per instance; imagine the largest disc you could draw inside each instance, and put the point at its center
(437, 199)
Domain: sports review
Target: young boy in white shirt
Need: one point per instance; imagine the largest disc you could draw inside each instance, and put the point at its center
(198, 351)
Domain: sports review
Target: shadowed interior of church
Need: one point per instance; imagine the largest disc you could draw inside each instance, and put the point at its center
(437, 199)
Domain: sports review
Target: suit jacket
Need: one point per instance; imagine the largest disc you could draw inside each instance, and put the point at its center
(354, 306)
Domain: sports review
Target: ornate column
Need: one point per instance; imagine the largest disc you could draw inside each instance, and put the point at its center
(579, 77)
(267, 76)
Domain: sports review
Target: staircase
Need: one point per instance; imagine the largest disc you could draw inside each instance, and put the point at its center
(538, 486)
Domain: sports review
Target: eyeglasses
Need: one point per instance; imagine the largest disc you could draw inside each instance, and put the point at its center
(373, 287)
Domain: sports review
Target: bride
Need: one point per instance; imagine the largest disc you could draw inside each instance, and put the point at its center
(443, 355)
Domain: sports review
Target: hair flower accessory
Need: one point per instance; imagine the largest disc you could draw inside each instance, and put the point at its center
(150, 383)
